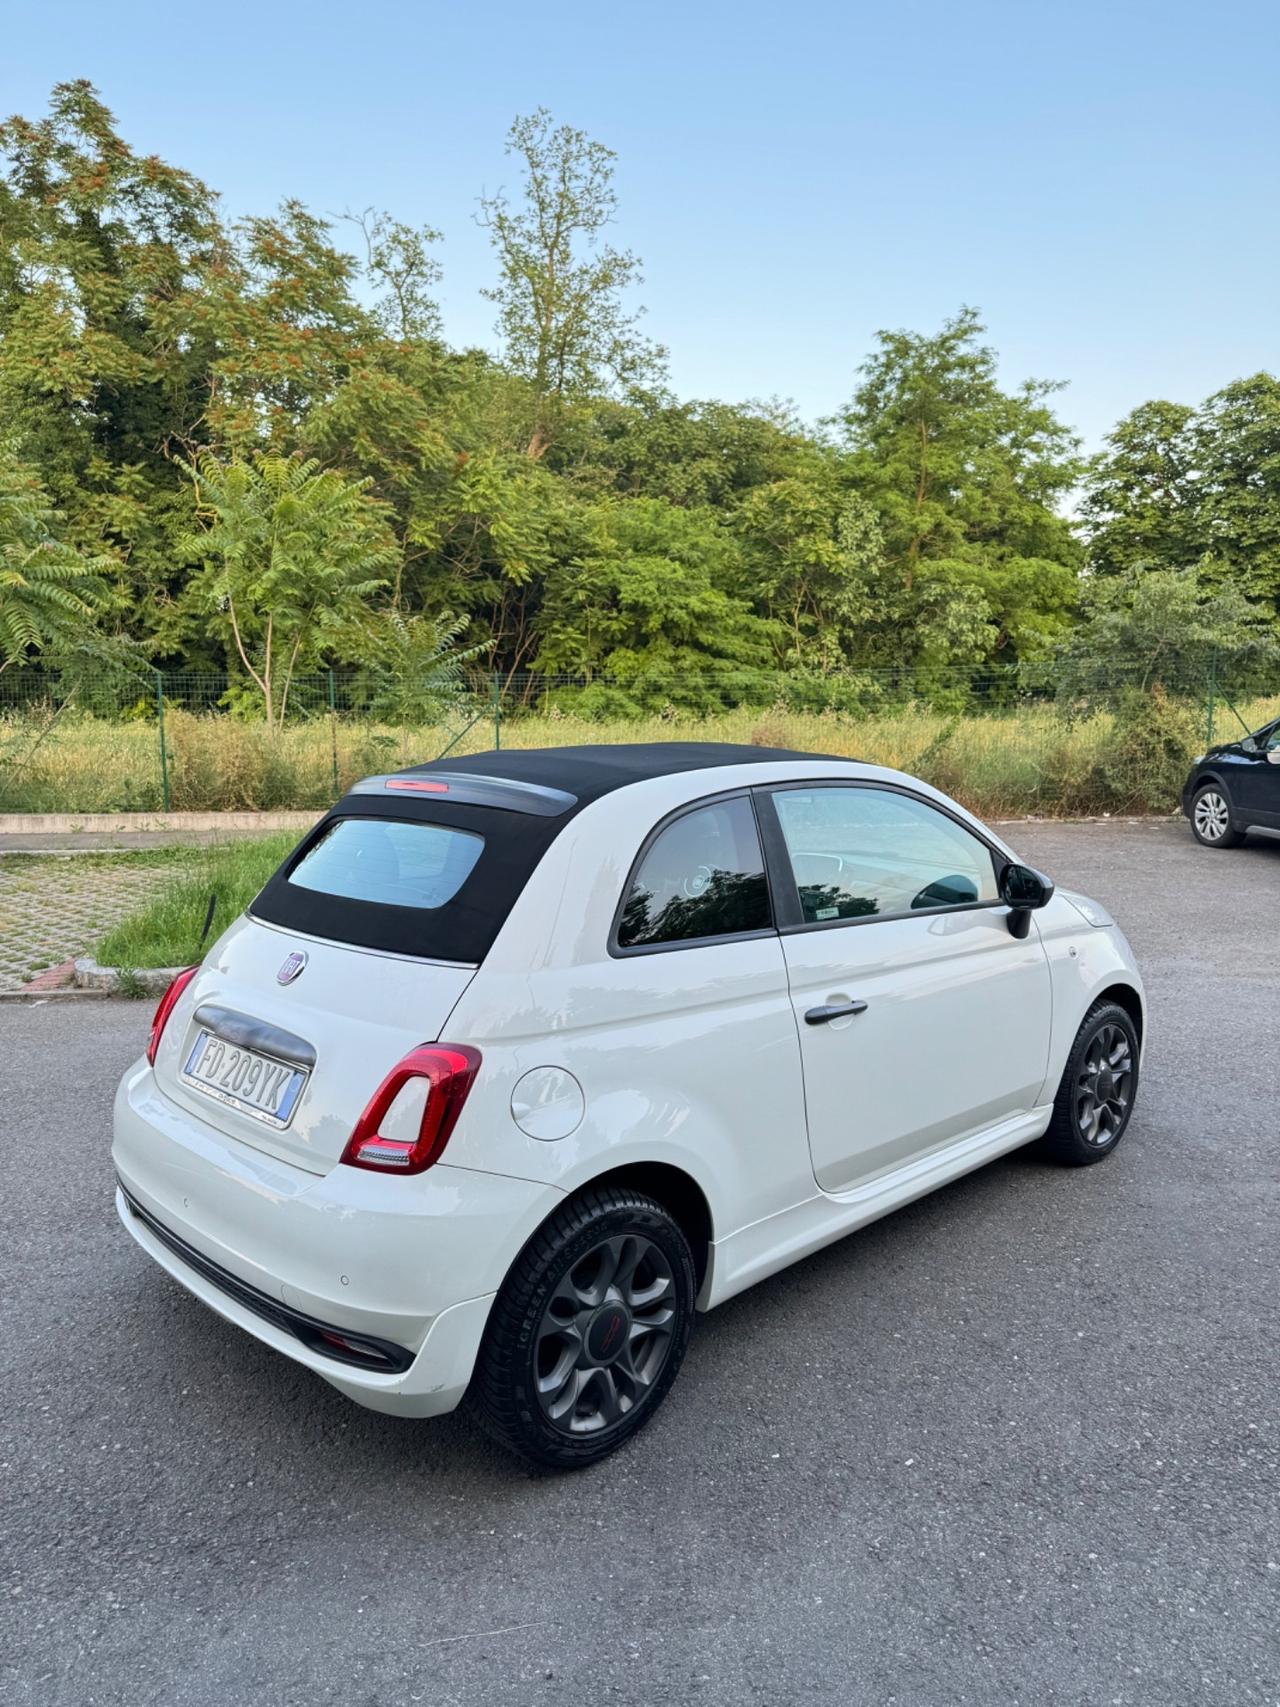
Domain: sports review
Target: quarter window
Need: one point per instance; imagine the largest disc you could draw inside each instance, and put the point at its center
(871, 853)
(703, 876)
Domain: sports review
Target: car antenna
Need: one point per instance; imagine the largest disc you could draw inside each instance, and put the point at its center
(208, 916)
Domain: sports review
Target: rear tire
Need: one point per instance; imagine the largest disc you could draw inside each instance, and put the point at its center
(588, 1332)
(1098, 1088)
(1211, 818)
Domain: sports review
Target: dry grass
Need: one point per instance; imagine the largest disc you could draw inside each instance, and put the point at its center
(1000, 765)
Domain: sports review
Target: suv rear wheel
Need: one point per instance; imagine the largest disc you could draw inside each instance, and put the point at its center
(589, 1330)
(1211, 818)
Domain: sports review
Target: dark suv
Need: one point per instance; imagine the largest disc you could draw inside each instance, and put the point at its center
(1234, 788)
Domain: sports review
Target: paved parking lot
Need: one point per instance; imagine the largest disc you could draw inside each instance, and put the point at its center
(52, 909)
(1016, 1444)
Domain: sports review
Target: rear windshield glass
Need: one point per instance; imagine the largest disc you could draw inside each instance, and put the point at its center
(397, 863)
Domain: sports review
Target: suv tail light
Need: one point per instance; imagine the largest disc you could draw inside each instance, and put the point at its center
(448, 1069)
(164, 1008)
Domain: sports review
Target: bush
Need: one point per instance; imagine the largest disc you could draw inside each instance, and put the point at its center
(1144, 761)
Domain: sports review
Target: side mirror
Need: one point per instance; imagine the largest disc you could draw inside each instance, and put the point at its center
(1023, 889)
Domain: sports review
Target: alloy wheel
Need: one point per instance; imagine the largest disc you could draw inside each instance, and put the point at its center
(1211, 816)
(605, 1334)
(1104, 1087)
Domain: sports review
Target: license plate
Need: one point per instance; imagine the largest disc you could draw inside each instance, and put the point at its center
(246, 1079)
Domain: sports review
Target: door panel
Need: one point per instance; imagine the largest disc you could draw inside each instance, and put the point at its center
(1255, 782)
(954, 1037)
(889, 908)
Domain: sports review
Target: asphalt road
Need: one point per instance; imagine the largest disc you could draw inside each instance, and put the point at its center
(1016, 1444)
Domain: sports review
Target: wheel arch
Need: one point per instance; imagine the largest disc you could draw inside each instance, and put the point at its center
(675, 1189)
(1126, 997)
(678, 1193)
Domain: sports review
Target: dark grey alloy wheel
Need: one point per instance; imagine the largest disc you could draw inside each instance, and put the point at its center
(605, 1335)
(589, 1329)
(1211, 818)
(1104, 1086)
(1098, 1088)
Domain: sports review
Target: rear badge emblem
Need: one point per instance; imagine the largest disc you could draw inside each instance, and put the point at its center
(293, 965)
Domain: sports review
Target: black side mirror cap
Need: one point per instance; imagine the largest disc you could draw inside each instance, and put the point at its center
(1024, 889)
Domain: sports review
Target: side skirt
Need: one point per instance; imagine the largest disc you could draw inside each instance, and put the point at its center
(765, 1247)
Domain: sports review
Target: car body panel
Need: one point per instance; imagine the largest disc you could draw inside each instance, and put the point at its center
(361, 1011)
(371, 1253)
(954, 1038)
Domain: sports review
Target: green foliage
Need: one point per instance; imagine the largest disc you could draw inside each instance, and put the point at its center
(48, 590)
(1163, 628)
(1179, 487)
(1144, 760)
(240, 448)
(647, 599)
(289, 557)
(166, 932)
(1140, 504)
(979, 566)
(566, 329)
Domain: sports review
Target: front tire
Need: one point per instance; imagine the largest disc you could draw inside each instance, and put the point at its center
(589, 1330)
(1211, 818)
(1099, 1084)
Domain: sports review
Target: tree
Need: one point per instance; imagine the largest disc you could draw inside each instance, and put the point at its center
(49, 591)
(1142, 494)
(1147, 628)
(102, 364)
(813, 552)
(1237, 456)
(289, 556)
(398, 260)
(565, 327)
(967, 480)
(287, 327)
(648, 599)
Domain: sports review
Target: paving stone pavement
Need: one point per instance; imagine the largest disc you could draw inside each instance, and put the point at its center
(53, 909)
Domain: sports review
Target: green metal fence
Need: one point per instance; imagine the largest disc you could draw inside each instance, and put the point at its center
(120, 739)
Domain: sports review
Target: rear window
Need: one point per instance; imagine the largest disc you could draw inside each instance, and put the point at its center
(396, 863)
(409, 875)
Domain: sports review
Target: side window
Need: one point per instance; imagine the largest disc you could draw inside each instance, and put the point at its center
(703, 876)
(863, 852)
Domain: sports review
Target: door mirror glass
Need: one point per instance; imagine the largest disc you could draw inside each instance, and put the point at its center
(1023, 886)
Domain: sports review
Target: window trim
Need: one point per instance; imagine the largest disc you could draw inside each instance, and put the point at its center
(621, 951)
(784, 891)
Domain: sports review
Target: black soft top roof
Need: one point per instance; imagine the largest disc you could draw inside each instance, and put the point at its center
(518, 800)
(588, 772)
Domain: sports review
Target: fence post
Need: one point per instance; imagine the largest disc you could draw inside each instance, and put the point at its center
(497, 713)
(333, 729)
(1213, 695)
(164, 756)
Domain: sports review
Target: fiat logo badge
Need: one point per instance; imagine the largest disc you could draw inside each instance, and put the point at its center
(293, 965)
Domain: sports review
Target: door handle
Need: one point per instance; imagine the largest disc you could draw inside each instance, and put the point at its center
(833, 1010)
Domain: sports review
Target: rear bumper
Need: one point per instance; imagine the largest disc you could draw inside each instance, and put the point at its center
(410, 1266)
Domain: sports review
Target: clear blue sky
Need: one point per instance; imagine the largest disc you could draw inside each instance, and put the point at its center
(1100, 179)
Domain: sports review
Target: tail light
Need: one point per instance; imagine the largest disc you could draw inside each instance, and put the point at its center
(164, 1008)
(448, 1069)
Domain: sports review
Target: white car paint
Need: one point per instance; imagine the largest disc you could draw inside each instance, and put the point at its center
(695, 1058)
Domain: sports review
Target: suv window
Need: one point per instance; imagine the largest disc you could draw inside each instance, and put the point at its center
(872, 852)
(702, 876)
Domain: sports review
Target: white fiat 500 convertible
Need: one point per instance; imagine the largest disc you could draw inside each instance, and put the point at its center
(520, 1060)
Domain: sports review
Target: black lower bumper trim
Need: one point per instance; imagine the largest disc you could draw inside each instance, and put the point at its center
(363, 1351)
